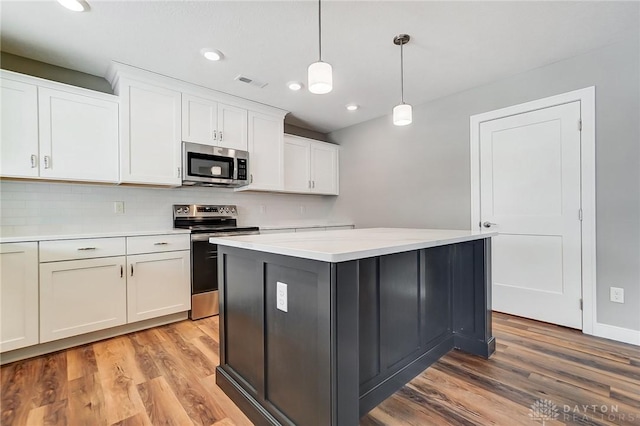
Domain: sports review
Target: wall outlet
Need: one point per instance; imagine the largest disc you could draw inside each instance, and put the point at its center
(616, 294)
(281, 296)
(118, 207)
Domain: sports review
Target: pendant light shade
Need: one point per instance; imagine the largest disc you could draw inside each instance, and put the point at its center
(320, 74)
(320, 78)
(402, 113)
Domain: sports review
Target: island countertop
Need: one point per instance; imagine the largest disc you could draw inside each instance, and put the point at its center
(350, 244)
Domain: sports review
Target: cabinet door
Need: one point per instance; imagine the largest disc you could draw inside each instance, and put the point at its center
(324, 168)
(78, 137)
(265, 152)
(199, 120)
(297, 172)
(18, 295)
(81, 296)
(158, 284)
(232, 127)
(150, 139)
(19, 111)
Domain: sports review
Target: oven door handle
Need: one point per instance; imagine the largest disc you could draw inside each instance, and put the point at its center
(205, 237)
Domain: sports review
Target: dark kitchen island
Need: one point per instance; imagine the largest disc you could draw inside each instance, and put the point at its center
(318, 328)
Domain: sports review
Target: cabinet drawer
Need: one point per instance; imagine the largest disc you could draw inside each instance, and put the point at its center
(158, 243)
(84, 248)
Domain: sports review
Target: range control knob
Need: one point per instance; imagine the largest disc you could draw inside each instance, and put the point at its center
(179, 210)
(233, 210)
(186, 209)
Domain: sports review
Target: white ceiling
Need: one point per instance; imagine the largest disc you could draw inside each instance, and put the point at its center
(454, 45)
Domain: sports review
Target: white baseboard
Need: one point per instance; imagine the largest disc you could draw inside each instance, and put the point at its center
(625, 335)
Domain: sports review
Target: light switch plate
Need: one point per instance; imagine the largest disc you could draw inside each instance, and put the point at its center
(281, 296)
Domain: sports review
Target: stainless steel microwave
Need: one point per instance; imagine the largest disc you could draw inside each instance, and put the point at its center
(206, 165)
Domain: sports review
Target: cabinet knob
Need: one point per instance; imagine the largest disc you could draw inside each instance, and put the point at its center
(47, 162)
(179, 172)
(488, 224)
(34, 161)
(221, 135)
(215, 135)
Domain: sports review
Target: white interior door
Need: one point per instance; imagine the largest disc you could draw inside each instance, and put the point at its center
(530, 194)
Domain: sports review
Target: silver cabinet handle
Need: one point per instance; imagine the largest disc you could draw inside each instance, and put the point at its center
(132, 270)
(221, 135)
(251, 178)
(47, 162)
(215, 135)
(34, 161)
(87, 248)
(178, 171)
(160, 244)
(309, 184)
(313, 183)
(121, 271)
(488, 224)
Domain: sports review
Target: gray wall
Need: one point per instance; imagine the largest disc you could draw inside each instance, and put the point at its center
(418, 176)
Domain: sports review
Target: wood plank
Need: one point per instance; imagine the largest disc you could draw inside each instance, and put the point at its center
(161, 404)
(224, 402)
(51, 415)
(86, 401)
(81, 362)
(52, 379)
(19, 388)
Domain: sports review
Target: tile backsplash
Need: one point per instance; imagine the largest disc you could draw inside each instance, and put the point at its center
(41, 208)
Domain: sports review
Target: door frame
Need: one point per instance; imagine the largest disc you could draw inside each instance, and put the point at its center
(586, 97)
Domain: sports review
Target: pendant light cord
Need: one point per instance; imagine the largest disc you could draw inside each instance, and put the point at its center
(320, 30)
(401, 72)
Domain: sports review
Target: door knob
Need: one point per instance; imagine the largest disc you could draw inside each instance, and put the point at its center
(488, 224)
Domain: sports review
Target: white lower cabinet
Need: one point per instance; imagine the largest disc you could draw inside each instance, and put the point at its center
(81, 296)
(158, 284)
(18, 295)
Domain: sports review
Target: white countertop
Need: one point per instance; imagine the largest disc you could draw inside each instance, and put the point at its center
(294, 225)
(351, 244)
(23, 239)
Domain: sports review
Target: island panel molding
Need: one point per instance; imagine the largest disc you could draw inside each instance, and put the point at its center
(355, 331)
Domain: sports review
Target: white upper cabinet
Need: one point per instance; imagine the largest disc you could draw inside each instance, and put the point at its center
(209, 122)
(324, 168)
(232, 127)
(310, 166)
(265, 152)
(150, 145)
(78, 137)
(199, 120)
(19, 147)
(55, 131)
(297, 169)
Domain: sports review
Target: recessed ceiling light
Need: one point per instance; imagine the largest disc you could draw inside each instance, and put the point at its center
(211, 54)
(352, 107)
(294, 85)
(75, 5)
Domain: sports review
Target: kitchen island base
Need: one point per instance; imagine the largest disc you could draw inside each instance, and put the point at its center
(350, 333)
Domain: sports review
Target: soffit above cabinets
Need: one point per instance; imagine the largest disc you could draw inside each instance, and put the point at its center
(454, 45)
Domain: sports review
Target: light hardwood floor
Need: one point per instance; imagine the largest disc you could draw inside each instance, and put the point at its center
(166, 376)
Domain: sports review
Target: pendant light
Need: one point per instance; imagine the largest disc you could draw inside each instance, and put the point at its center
(320, 73)
(402, 113)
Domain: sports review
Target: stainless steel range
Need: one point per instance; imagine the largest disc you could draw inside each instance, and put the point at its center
(206, 221)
